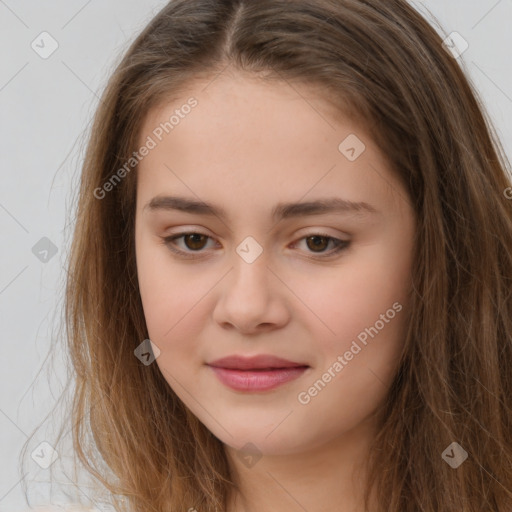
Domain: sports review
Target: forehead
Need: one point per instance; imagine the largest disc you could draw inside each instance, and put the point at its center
(242, 100)
(272, 140)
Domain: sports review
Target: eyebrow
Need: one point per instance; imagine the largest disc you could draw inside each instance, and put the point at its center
(280, 211)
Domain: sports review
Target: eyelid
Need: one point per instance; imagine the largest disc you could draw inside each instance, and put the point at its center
(340, 244)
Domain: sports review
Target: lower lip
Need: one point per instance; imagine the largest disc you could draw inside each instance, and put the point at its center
(254, 380)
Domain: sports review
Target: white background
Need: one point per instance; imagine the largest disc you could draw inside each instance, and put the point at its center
(46, 107)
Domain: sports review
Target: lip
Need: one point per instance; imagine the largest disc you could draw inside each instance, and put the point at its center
(257, 373)
(258, 362)
(257, 380)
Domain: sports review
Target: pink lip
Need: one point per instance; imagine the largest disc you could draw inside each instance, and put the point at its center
(262, 361)
(257, 373)
(257, 380)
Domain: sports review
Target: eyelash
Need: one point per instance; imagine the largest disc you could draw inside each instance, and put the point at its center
(168, 241)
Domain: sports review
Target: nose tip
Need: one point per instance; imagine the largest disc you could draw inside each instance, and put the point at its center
(247, 328)
(249, 301)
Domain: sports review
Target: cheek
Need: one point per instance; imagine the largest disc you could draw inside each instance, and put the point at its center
(167, 293)
(353, 298)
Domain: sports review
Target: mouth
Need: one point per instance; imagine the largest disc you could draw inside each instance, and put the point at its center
(258, 373)
(260, 362)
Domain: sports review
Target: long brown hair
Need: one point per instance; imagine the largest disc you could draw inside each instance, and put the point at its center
(379, 61)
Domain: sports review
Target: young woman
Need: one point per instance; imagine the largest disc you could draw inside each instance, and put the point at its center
(289, 284)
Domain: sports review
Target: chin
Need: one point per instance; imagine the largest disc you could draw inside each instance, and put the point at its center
(262, 439)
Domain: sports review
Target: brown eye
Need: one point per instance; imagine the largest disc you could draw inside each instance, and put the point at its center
(194, 241)
(317, 242)
(191, 242)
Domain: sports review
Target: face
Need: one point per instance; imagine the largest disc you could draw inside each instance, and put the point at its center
(324, 289)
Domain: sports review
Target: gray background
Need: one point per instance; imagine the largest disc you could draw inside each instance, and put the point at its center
(46, 107)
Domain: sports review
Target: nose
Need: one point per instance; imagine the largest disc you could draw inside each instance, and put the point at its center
(252, 298)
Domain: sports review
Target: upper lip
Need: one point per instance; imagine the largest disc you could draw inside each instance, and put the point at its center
(254, 362)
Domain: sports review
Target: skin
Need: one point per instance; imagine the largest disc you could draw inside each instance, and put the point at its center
(294, 301)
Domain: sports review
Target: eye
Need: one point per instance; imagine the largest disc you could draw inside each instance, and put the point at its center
(192, 240)
(195, 242)
(318, 242)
